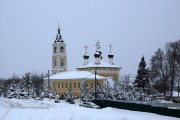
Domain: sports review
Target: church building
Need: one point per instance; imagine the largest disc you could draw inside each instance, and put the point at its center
(61, 81)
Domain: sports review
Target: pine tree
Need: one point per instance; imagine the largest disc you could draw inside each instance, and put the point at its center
(142, 83)
(70, 97)
(108, 90)
(86, 93)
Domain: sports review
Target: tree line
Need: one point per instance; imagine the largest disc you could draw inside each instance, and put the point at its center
(27, 85)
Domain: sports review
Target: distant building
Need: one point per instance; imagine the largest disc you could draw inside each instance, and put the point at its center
(62, 81)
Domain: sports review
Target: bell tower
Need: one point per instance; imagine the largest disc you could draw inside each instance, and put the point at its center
(59, 58)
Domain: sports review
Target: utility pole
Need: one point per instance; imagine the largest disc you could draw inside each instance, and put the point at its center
(42, 82)
(28, 84)
(95, 84)
(48, 81)
(178, 89)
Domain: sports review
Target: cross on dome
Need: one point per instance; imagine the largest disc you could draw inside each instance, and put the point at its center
(86, 47)
(110, 46)
(97, 45)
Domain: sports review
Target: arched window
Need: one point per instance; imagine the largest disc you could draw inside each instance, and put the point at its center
(55, 49)
(62, 49)
(55, 62)
(74, 85)
(62, 62)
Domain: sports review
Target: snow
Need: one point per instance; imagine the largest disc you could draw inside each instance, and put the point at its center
(102, 64)
(175, 94)
(111, 53)
(17, 109)
(74, 75)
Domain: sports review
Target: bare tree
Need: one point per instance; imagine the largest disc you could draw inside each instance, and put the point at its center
(159, 71)
(171, 55)
(126, 82)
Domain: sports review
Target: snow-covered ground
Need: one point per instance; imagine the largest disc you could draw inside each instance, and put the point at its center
(16, 109)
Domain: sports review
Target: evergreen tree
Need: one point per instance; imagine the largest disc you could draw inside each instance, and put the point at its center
(70, 97)
(86, 93)
(12, 93)
(56, 99)
(142, 83)
(108, 90)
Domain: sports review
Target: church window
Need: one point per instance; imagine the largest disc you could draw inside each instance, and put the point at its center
(62, 49)
(54, 85)
(62, 85)
(58, 85)
(62, 62)
(55, 49)
(78, 85)
(74, 85)
(70, 85)
(66, 85)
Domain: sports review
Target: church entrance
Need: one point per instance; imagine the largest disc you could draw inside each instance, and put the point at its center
(62, 96)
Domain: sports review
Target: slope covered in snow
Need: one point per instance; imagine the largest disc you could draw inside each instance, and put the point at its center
(13, 109)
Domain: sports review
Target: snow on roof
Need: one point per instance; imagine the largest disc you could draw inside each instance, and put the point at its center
(97, 53)
(110, 54)
(70, 75)
(102, 64)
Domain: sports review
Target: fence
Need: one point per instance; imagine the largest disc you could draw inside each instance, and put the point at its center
(166, 105)
(158, 108)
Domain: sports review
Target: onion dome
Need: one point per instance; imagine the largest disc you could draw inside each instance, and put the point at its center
(97, 54)
(86, 56)
(110, 55)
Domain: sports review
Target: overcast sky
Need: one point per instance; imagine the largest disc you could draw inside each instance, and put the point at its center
(133, 27)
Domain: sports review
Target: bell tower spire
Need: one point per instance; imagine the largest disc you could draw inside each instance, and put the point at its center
(59, 59)
(58, 36)
(59, 28)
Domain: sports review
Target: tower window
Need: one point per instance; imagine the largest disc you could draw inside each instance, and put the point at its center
(62, 62)
(54, 62)
(62, 49)
(62, 85)
(55, 49)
